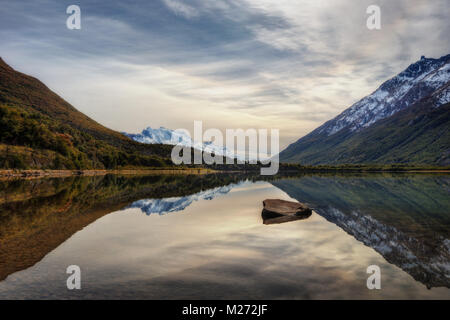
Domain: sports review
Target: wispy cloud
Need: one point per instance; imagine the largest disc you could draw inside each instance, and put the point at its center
(181, 8)
(231, 63)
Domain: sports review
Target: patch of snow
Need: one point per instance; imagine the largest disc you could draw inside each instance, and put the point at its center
(442, 97)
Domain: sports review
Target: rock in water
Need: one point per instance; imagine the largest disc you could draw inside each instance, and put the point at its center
(280, 211)
(284, 208)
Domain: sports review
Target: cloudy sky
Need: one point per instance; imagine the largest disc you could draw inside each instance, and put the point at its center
(286, 64)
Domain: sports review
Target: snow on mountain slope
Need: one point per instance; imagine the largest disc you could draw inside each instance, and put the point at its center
(404, 121)
(419, 80)
(442, 97)
(174, 137)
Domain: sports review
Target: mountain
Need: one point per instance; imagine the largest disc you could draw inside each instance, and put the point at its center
(406, 120)
(174, 137)
(40, 130)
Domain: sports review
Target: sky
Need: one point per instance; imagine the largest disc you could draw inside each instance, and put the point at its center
(262, 64)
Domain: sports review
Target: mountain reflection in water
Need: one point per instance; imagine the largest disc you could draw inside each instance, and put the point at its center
(36, 216)
(405, 218)
(174, 204)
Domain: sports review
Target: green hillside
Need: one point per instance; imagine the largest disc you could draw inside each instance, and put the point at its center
(39, 130)
(419, 134)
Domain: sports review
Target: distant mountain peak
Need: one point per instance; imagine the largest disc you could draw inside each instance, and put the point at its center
(174, 137)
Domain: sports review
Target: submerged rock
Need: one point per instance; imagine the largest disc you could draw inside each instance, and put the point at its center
(279, 211)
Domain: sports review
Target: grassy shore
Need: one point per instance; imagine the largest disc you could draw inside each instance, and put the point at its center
(376, 168)
(68, 173)
(284, 168)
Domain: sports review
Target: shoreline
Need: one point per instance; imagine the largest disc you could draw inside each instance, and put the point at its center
(6, 174)
(36, 174)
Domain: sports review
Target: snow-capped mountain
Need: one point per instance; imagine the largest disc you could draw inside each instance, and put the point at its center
(161, 136)
(398, 122)
(416, 82)
(166, 205)
(174, 137)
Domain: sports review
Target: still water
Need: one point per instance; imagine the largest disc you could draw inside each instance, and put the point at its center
(203, 237)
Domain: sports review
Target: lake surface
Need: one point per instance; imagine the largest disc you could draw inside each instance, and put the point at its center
(203, 237)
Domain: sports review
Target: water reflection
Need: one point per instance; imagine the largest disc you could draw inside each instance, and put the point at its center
(174, 204)
(36, 216)
(404, 218)
(282, 219)
(273, 218)
(218, 247)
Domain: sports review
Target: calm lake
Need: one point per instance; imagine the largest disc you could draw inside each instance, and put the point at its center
(203, 237)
